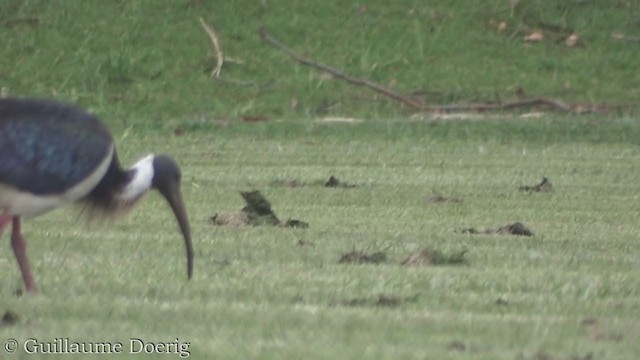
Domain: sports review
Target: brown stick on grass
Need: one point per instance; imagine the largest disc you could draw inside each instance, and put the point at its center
(413, 103)
(216, 47)
(555, 104)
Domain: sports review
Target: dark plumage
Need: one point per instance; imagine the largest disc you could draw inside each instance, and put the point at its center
(46, 147)
(53, 153)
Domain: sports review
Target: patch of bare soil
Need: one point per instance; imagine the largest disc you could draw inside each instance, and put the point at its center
(543, 355)
(291, 183)
(435, 199)
(334, 182)
(516, 228)
(256, 212)
(381, 300)
(429, 257)
(544, 186)
(303, 242)
(9, 318)
(457, 346)
(501, 302)
(360, 257)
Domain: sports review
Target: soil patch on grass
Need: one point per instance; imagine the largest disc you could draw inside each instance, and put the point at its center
(382, 300)
(544, 186)
(334, 182)
(360, 257)
(9, 318)
(436, 199)
(516, 228)
(257, 212)
(290, 183)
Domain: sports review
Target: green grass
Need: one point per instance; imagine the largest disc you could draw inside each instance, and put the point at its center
(151, 59)
(256, 294)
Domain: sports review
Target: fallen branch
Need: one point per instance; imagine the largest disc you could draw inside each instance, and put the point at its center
(415, 104)
(216, 47)
(554, 104)
(623, 37)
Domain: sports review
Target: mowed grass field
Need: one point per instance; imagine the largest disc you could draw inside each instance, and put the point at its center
(568, 292)
(571, 291)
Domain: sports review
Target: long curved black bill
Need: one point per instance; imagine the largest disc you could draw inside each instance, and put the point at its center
(174, 198)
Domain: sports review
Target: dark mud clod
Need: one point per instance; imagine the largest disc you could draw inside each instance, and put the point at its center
(472, 231)
(292, 183)
(295, 224)
(516, 228)
(501, 302)
(9, 318)
(429, 257)
(435, 199)
(544, 186)
(256, 212)
(334, 182)
(360, 257)
(382, 300)
(303, 242)
(457, 346)
(258, 209)
(389, 301)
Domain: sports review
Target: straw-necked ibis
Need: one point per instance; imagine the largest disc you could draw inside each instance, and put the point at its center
(52, 154)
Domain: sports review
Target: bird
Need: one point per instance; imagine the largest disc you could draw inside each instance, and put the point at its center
(53, 153)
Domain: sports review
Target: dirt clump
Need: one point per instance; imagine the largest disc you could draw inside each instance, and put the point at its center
(334, 182)
(436, 199)
(9, 318)
(291, 183)
(382, 300)
(360, 257)
(516, 228)
(256, 212)
(457, 346)
(544, 186)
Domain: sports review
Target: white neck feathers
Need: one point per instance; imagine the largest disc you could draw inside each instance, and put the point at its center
(141, 180)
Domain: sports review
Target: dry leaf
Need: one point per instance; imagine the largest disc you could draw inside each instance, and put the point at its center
(535, 36)
(572, 40)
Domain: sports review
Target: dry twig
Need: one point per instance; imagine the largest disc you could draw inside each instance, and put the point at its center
(216, 48)
(623, 37)
(413, 103)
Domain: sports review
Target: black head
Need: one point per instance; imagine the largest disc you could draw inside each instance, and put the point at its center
(166, 179)
(166, 173)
